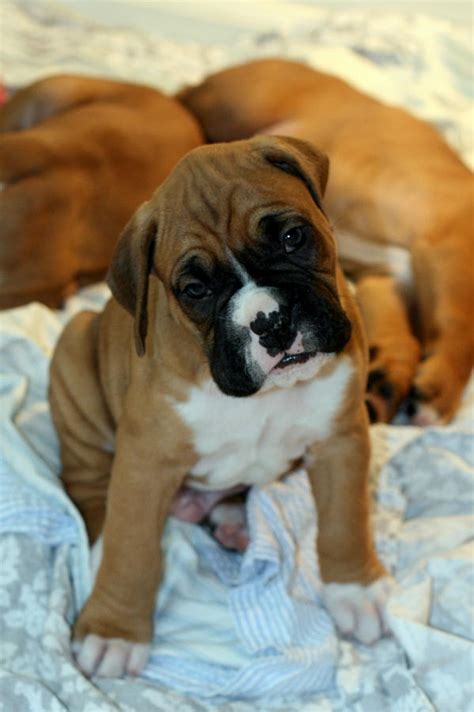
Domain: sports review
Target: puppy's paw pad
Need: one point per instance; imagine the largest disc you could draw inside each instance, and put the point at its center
(110, 657)
(359, 610)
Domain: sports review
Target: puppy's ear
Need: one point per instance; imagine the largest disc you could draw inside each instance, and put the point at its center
(298, 158)
(129, 271)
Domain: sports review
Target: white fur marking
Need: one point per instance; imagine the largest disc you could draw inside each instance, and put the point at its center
(95, 557)
(110, 657)
(283, 377)
(366, 252)
(426, 416)
(240, 269)
(248, 301)
(289, 376)
(228, 513)
(257, 356)
(359, 610)
(245, 305)
(255, 440)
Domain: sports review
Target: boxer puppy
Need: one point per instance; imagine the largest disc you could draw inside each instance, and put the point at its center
(77, 157)
(402, 205)
(231, 351)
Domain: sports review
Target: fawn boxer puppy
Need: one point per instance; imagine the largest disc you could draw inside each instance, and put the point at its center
(232, 350)
(77, 157)
(402, 205)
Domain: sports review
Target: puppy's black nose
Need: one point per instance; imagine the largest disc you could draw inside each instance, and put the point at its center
(275, 330)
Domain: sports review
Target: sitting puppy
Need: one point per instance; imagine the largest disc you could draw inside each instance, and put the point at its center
(231, 351)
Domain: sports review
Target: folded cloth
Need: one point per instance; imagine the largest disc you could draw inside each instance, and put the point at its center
(230, 625)
(246, 625)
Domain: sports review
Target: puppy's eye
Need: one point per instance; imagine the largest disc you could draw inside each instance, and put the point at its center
(197, 290)
(293, 239)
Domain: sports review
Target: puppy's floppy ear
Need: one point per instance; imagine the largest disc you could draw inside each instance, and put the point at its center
(298, 158)
(129, 271)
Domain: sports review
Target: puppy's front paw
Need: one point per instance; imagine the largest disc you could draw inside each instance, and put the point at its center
(359, 610)
(110, 657)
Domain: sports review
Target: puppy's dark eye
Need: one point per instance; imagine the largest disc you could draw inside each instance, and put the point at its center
(197, 290)
(293, 239)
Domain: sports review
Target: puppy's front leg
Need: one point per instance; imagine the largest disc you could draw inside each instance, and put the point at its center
(355, 582)
(114, 629)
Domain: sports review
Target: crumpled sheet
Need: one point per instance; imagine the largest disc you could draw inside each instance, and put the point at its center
(204, 646)
(422, 480)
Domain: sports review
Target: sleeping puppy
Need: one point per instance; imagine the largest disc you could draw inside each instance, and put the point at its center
(77, 157)
(403, 209)
(231, 351)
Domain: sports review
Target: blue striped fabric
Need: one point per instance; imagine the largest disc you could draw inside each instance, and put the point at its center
(259, 613)
(227, 625)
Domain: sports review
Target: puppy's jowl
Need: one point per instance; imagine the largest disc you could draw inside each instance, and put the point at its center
(231, 350)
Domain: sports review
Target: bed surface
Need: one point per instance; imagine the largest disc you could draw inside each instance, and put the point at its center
(422, 479)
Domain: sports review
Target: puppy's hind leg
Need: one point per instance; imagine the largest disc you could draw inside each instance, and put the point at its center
(82, 421)
(393, 350)
(87, 487)
(444, 279)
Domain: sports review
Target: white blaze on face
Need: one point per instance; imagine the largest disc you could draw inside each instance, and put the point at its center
(245, 305)
(244, 308)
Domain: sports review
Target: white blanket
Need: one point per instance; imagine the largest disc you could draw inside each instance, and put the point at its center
(207, 643)
(230, 626)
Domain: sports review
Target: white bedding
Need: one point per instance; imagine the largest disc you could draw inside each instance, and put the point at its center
(422, 480)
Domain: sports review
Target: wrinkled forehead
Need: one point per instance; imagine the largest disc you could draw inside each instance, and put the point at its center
(217, 196)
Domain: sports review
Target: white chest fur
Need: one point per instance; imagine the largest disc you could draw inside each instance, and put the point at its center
(254, 440)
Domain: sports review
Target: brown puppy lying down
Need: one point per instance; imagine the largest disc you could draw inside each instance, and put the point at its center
(402, 205)
(77, 157)
(231, 351)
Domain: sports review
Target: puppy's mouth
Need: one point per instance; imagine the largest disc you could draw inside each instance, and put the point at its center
(294, 367)
(294, 359)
